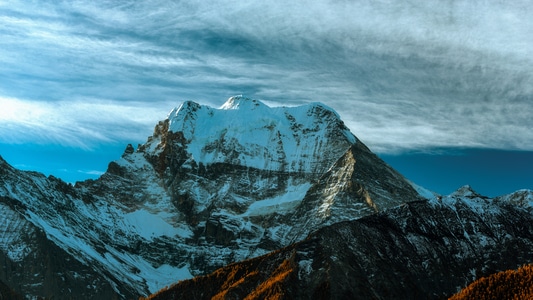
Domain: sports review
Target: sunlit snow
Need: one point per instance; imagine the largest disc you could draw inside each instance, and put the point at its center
(150, 225)
(258, 138)
(280, 204)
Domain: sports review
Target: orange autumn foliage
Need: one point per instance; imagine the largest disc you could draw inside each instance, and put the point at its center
(510, 284)
(273, 287)
(249, 280)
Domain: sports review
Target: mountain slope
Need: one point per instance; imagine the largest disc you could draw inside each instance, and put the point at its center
(209, 187)
(32, 262)
(418, 250)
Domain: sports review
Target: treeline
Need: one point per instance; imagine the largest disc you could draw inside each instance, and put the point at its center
(251, 279)
(510, 284)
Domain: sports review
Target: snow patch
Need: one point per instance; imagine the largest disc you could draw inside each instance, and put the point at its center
(305, 268)
(149, 225)
(281, 204)
(165, 275)
(423, 192)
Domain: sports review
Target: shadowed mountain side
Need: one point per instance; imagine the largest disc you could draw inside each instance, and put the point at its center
(418, 250)
(358, 184)
(7, 293)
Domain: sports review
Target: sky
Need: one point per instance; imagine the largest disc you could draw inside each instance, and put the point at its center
(441, 90)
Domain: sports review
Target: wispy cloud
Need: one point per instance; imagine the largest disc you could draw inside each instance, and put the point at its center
(83, 123)
(91, 172)
(403, 74)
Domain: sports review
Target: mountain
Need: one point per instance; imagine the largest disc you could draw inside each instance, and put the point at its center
(287, 197)
(418, 250)
(210, 187)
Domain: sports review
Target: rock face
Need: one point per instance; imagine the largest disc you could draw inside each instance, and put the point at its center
(209, 187)
(418, 250)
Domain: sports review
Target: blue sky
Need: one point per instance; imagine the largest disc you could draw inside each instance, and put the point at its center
(433, 87)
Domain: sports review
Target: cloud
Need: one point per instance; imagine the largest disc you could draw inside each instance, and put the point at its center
(91, 172)
(403, 75)
(83, 123)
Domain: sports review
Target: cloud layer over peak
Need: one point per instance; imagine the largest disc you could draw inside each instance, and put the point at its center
(404, 75)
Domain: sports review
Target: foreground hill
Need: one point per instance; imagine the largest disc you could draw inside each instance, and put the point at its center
(510, 284)
(419, 250)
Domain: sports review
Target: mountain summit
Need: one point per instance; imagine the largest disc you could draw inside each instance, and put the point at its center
(247, 133)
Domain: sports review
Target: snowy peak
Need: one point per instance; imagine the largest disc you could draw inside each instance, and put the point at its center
(245, 132)
(521, 198)
(466, 191)
(186, 108)
(240, 102)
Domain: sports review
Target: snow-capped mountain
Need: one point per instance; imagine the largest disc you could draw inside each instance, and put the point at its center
(208, 188)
